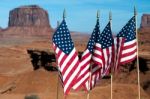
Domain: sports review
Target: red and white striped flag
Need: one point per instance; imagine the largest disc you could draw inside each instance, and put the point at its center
(66, 55)
(125, 44)
(104, 50)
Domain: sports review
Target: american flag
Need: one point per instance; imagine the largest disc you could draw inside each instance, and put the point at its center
(104, 50)
(125, 44)
(66, 55)
(86, 59)
(102, 56)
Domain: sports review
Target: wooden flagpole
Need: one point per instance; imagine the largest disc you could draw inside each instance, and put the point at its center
(111, 96)
(110, 20)
(57, 73)
(88, 95)
(64, 16)
(89, 82)
(57, 85)
(138, 69)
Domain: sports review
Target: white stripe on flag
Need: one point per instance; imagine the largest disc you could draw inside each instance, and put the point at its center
(98, 45)
(57, 50)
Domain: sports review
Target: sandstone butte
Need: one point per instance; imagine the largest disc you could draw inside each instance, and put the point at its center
(29, 29)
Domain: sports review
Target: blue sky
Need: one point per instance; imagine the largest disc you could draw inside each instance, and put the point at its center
(81, 14)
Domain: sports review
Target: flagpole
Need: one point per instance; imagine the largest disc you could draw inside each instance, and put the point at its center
(57, 84)
(90, 73)
(64, 16)
(57, 73)
(110, 20)
(139, 93)
(111, 85)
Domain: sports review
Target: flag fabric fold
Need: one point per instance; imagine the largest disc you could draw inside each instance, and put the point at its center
(86, 59)
(105, 47)
(102, 56)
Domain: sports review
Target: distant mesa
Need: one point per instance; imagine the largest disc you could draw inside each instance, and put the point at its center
(28, 21)
(145, 24)
(26, 16)
(31, 21)
(145, 21)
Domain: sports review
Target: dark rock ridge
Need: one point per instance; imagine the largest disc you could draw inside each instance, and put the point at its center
(145, 21)
(27, 16)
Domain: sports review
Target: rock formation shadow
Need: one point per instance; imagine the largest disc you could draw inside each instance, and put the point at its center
(146, 85)
(143, 65)
(42, 59)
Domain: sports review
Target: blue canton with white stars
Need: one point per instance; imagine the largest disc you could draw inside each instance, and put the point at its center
(129, 30)
(62, 38)
(105, 38)
(92, 40)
